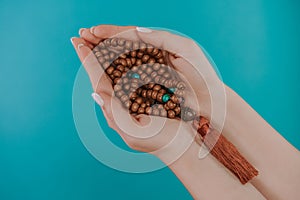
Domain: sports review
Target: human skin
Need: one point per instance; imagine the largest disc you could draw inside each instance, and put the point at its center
(277, 161)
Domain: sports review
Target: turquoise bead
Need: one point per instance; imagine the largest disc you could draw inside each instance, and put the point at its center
(135, 75)
(172, 89)
(165, 98)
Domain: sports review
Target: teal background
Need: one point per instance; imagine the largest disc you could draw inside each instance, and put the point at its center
(255, 45)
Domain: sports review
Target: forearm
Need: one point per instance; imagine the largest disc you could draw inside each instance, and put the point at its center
(278, 162)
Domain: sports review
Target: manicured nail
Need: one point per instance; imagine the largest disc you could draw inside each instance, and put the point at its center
(98, 99)
(72, 38)
(79, 46)
(143, 30)
(92, 30)
(80, 31)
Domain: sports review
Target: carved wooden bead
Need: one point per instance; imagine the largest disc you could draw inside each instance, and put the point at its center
(153, 74)
(157, 87)
(157, 79)
(151, 60)
(144, 93)
(121, 42)
(180, 86)
(134, 107)
(163, 113)
(147, 79)
(171, 104)
(148, 110)
(139, 100)
(124, 98)
(138, 62)
(155, 112)
(139, 54)
(177, 110)
(117, 87)
(145, 58)
(126, 87)
(128, 44)
(171, 114)
(117, 73)
(114, 42)
(127, 103)
(149, 70)
(98, 54)
(136, 45)
(110, 70)
(141, 110)
(154, 94)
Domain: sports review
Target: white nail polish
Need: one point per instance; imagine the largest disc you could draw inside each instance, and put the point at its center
(79, 46)
(98, 99)
(80, 31)
(143, 30)
(92, 30)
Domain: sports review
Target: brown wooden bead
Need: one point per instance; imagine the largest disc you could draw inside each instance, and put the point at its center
(141, 110)
(133, 61)
(120, 68)
(171, 114)
(143, 105)
(128, 62)
(154, 94)
(159, 55)
(149, 93)
(128, 44)
(119, 93)
(133, 54)
(149, 70)
(117, 73)
(121, 42)
(159, 97)
(161, 71)
(139, 54)
(126, 87)
(117, 87)
(123, 62)
(143, 46)
(133, 95)
(177, 110)
(157, 87)
(144, 93)
(171, 104)
(123, 56)
(163, 91)
(145, 58)
(148, 110)
(151, 60)
(155, 112)
(163, 113)
(174, 99)
(106, 65)
(134, 107)
(153, 74)
(139, 100)
(127, 104)
(156, 66)
(136, 45)
(155, 51)
(149, 48)
(117, 80)
(124, 98)
(110, 70)
(160, 60)
(138, 62)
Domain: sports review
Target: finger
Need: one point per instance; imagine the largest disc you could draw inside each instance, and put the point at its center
(106, 31)
(91, 65)
(86, 34)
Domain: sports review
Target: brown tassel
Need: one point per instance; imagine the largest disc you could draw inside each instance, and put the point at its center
(224, 151)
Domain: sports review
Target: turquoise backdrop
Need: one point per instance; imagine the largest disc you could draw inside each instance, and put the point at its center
(255, 45)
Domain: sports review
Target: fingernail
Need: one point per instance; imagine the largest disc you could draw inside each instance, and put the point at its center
(98, 99)
(143, 30)
(72, 38)
(80, 31)
(79, 46)
(92, 30)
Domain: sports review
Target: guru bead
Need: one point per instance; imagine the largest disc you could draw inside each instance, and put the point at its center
(187, 114)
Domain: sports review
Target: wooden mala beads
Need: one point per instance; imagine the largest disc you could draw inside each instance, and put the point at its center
(145, 84)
